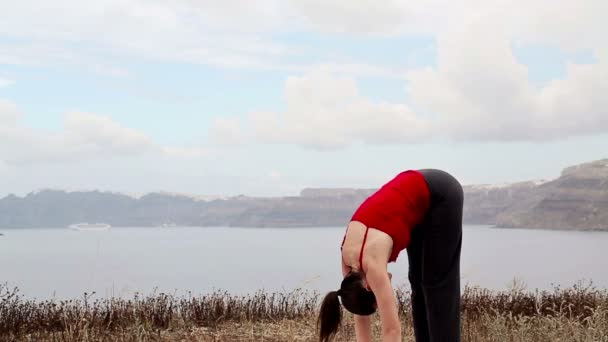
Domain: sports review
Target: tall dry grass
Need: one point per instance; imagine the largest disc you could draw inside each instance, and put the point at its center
(578, 313)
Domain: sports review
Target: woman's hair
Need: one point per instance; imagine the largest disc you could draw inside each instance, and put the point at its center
(354, 297)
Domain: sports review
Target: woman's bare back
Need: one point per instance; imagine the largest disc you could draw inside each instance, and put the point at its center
(378, 246)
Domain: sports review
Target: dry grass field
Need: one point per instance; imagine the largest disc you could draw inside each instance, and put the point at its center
(579, 313)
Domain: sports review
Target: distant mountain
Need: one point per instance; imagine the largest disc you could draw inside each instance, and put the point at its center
(485, 203)
(578, 199)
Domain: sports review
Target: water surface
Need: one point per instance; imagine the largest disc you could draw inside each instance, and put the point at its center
(66, 263)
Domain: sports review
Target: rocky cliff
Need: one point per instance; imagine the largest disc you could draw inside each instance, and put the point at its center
(578, 199)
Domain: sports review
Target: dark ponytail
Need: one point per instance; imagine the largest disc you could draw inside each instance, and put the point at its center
(329, 317)
(353, 296)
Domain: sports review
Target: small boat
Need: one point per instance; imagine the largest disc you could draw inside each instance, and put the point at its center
(90, 226)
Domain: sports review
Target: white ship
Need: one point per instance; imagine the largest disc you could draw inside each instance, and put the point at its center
(90, 226)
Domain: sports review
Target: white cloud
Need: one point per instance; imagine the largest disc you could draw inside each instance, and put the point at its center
(568, 23)
(186, 152)
(99, 134)
(477, 78)
(238, 15)
(478, 90)
(481, 92)
(6, 83)
(109, 70)
(238, 33)
(228, 34)
(344, 16)
(173, 31)
(325, 111)
(227, 132)
(475, 93)
(275, 175)
(85, 136)
(8, 113)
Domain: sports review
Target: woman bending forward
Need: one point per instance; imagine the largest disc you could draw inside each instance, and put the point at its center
(420, 211)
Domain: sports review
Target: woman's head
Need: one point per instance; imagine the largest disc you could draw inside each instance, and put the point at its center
(354, 297)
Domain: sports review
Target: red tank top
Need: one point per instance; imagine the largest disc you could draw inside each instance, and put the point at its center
(396, 208)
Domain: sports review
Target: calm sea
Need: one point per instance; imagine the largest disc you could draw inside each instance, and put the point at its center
(65, 263)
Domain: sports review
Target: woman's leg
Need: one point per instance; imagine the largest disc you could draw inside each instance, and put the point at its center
(419, 314)
(440, 266)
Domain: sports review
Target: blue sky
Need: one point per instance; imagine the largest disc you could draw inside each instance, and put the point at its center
(211, 99)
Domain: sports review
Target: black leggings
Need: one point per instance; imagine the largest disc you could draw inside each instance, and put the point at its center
(434, 262)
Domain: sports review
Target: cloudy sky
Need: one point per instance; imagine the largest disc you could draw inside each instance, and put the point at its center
(232, 97)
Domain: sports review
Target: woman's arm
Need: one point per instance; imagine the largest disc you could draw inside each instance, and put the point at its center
(380, 282)
(363, 330)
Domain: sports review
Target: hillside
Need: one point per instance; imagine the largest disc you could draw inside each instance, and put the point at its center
(578, 199)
